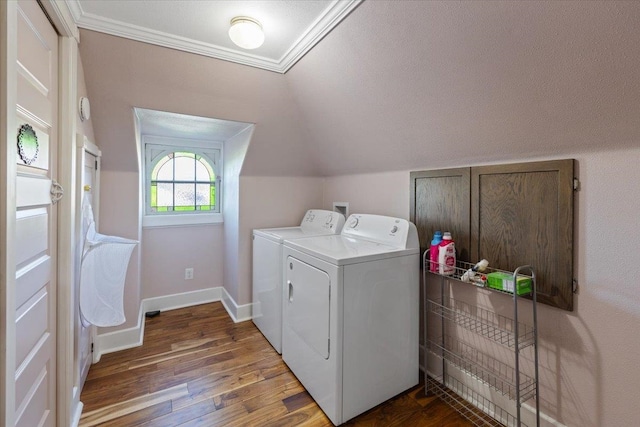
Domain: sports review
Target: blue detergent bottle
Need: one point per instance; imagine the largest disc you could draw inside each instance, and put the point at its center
(433, 251)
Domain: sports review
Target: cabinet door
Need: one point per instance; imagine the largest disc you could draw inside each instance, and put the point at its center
(523, 214)
(440, 201)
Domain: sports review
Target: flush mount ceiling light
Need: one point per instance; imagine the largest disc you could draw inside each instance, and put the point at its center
(246, 32)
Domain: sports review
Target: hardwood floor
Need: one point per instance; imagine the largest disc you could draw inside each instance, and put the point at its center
(198, 368)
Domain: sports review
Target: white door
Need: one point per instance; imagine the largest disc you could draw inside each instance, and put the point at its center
(83, 331)
(35, 249)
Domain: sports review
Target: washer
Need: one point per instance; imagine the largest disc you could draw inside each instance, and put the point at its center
(267, 268)
(350, 330)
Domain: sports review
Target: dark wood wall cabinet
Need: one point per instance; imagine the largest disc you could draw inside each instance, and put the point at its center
(511, 215)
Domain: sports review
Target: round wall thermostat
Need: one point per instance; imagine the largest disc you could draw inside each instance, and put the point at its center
(85, 109)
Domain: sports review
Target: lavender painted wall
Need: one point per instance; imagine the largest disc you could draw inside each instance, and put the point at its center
(384, 193)
(126, 74)
(168, 251)
(234, 153)
(270, 202)
(402, 83)
(120, 216)
(83, 127)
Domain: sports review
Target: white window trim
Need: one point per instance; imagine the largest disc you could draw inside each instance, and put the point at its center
(149, 221)
(180, 219)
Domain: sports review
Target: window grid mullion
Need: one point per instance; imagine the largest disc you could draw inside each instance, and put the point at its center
(164, 181)
(212, 183)
(173, 184)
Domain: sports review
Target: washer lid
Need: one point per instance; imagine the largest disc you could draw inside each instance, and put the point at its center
(343, 250)
(280, 234)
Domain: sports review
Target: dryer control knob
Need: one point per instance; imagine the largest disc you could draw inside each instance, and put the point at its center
(353, 223)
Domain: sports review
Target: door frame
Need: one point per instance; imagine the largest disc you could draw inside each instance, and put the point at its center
(84, 145)
(8, 153)
(68, 38)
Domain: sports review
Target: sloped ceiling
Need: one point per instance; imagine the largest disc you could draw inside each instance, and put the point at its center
(403, 85)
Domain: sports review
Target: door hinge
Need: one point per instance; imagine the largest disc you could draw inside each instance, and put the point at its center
(91, 347)
(576, 184)
(96, 164)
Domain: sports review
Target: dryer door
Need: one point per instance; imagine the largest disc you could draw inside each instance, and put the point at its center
(308, 296)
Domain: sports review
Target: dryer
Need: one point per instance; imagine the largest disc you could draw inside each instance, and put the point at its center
(350, 331)
(267, 268)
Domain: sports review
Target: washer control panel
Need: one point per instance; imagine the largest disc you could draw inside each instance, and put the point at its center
(382, 229)
(316, 219)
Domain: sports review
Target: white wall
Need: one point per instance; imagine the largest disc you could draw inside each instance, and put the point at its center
(588, 367)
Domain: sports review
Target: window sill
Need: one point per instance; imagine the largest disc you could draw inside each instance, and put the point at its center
(182, 220)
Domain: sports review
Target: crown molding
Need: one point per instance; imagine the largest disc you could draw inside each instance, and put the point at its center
(320, 28)
(332, 16)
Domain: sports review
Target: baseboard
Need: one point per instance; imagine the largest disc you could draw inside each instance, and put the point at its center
(545, 420)
(119, 340)
(133, 337)
(77, 412)
(239, 313)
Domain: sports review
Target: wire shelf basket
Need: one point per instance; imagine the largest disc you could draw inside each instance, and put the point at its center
(460, 272)
(479, 410)
(488, 324)
(483, 367)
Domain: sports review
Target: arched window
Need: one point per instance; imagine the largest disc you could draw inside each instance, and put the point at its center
(182, 181)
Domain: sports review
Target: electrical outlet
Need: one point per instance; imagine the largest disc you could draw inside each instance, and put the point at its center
(188, 273)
